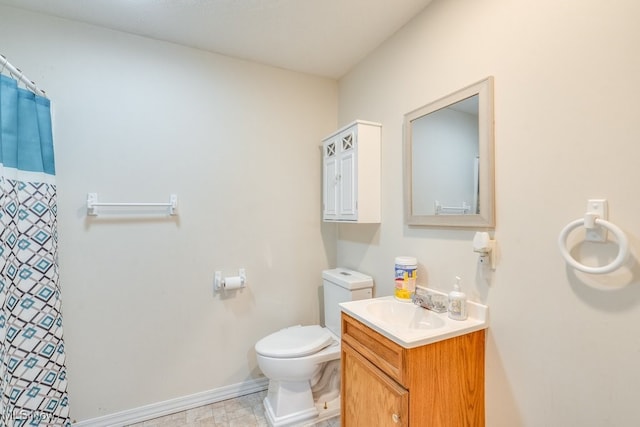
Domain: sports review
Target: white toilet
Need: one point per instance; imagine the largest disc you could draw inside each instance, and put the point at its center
(303, 362)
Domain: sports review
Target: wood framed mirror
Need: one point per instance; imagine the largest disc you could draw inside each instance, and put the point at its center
(448, 149)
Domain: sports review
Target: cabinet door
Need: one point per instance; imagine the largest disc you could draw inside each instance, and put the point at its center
(330, 178)
(348, 182)
(369, 396)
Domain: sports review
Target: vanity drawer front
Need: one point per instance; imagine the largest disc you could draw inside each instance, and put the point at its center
(378, 349)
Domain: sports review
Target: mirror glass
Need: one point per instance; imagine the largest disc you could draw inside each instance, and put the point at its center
(448, 160)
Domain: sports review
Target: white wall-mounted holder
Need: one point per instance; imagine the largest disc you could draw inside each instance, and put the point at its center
(93, 204)
(596, 225)
(485, 247)
(221, 284)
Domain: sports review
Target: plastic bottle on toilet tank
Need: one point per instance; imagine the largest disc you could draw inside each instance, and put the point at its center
(406, 269)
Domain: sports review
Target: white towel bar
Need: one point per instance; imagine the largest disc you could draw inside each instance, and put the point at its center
(93, 204)
(451, 210)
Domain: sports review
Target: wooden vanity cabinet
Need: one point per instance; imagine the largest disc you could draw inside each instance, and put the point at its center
(435, 385)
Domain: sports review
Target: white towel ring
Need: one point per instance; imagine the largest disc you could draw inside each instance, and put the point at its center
(623, 247)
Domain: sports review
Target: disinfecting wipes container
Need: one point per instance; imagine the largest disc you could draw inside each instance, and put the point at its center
(405, 277)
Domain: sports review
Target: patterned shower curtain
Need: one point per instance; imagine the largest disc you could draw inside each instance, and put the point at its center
(33, 385)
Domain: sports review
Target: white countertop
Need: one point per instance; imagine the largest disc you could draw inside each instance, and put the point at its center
(412, 326)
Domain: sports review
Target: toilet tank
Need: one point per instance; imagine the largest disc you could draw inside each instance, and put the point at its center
(342, 285)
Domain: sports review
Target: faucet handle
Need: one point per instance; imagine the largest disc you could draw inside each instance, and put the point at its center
(422, 300)
(418, 299)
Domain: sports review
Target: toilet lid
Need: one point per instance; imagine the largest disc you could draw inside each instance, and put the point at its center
(296, 341)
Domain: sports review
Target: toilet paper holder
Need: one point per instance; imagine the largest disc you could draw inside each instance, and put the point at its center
(221, 284)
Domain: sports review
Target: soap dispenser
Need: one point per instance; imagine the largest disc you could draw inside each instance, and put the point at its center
(457, 302)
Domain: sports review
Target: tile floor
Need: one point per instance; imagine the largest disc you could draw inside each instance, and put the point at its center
(244, 411)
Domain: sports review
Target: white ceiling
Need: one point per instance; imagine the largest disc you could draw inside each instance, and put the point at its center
(322, 37)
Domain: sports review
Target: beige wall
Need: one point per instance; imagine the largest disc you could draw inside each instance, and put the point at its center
(136, 120)
(559, 352)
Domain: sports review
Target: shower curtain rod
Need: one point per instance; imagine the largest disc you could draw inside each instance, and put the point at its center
(15, 72)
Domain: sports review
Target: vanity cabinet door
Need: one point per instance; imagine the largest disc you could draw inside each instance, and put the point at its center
(374, 399)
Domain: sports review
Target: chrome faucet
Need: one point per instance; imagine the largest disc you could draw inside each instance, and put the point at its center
(430, 301)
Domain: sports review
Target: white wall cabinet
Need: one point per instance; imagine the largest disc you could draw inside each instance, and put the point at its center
(351, 173)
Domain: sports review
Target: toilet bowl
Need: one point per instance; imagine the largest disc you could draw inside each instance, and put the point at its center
(293, 372)
(303, 362)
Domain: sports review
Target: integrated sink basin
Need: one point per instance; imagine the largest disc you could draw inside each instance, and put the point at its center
(403, 315)
(412, 326)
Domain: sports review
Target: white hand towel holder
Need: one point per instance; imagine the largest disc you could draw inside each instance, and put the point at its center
(597, 226)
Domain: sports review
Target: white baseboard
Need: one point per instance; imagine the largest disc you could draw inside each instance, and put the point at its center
(160, 409)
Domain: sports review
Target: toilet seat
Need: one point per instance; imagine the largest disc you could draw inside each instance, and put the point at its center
(296, 341)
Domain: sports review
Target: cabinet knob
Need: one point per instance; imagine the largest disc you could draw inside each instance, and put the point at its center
(395, 418)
